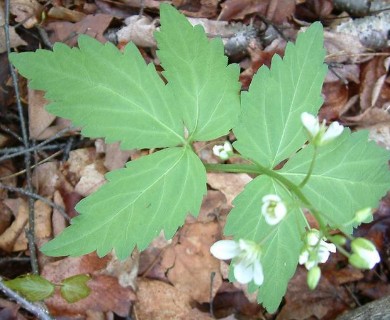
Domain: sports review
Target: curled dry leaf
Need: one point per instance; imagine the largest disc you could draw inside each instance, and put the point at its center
(9, 238)
(139, 30)
(62, 13)
(92, 177)
(26, 11)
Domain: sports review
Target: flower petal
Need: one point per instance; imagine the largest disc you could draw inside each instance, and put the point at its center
(258, 275)
(243, 272)
(225, 249)
(334, 130)
(311, 123)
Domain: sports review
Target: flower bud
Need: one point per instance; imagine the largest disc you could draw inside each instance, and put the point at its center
(313, 277)
(364, 254)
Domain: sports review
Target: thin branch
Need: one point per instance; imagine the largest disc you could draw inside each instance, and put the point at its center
(35, 196)
(38, 146)
(29, 306)
(22, 150)
(26, 143)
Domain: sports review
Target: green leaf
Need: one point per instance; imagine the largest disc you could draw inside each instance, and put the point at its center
(151, 194)
(270, 129)
(32, 287)
(281, 243)
(349, 174)
(110, 94)
(206, 89)
(75, 288)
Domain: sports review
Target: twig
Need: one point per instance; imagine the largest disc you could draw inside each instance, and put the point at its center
(35, 196)
(13, 259)
(38, 146)
(35, 165)
(21, 150)
(27, 156)
(29, 306)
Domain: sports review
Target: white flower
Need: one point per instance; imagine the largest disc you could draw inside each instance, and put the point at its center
(273, 209)
(316, 250)
(223, 151)
(317, 132)
(246, 254)
(365, 255)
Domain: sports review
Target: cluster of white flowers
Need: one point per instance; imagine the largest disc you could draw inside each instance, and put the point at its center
(246, 255)
(364, 254)
(224, 151)
(318, 134)
(273, 209)
(316, 250)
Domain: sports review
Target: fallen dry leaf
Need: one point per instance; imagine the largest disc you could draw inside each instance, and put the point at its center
(39, 118)
(344, 48)
(160, 301)
(373, 93)
(92, 25)
(138, 30)
(336, 97)
(106, 292)
(46, 178)
(207, 8)
(9, 238)
(326, 302)
(26, 12)
(230, 184)
(189, 261)
(62, 13)
(92, 177)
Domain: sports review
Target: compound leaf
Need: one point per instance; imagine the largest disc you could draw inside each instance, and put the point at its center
(281, 243)
(270, 129)
(151, 194)
(206, 89)
(32, 287)
(110, 94)
(349, 174)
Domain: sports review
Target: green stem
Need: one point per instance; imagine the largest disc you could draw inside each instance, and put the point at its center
(302, 184)
(259, 169)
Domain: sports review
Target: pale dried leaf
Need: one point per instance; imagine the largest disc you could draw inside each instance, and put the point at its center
(10, 236)
(92, 177)
(58, 221)
(139, 30)
(62, 13)
(193, 262)
(39, 118)
(42, 213)
(46, 178)
(228, 183)
(160, 301)
(26, 11)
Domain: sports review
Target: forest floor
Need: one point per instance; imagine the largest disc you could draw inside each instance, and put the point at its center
(46, 166)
